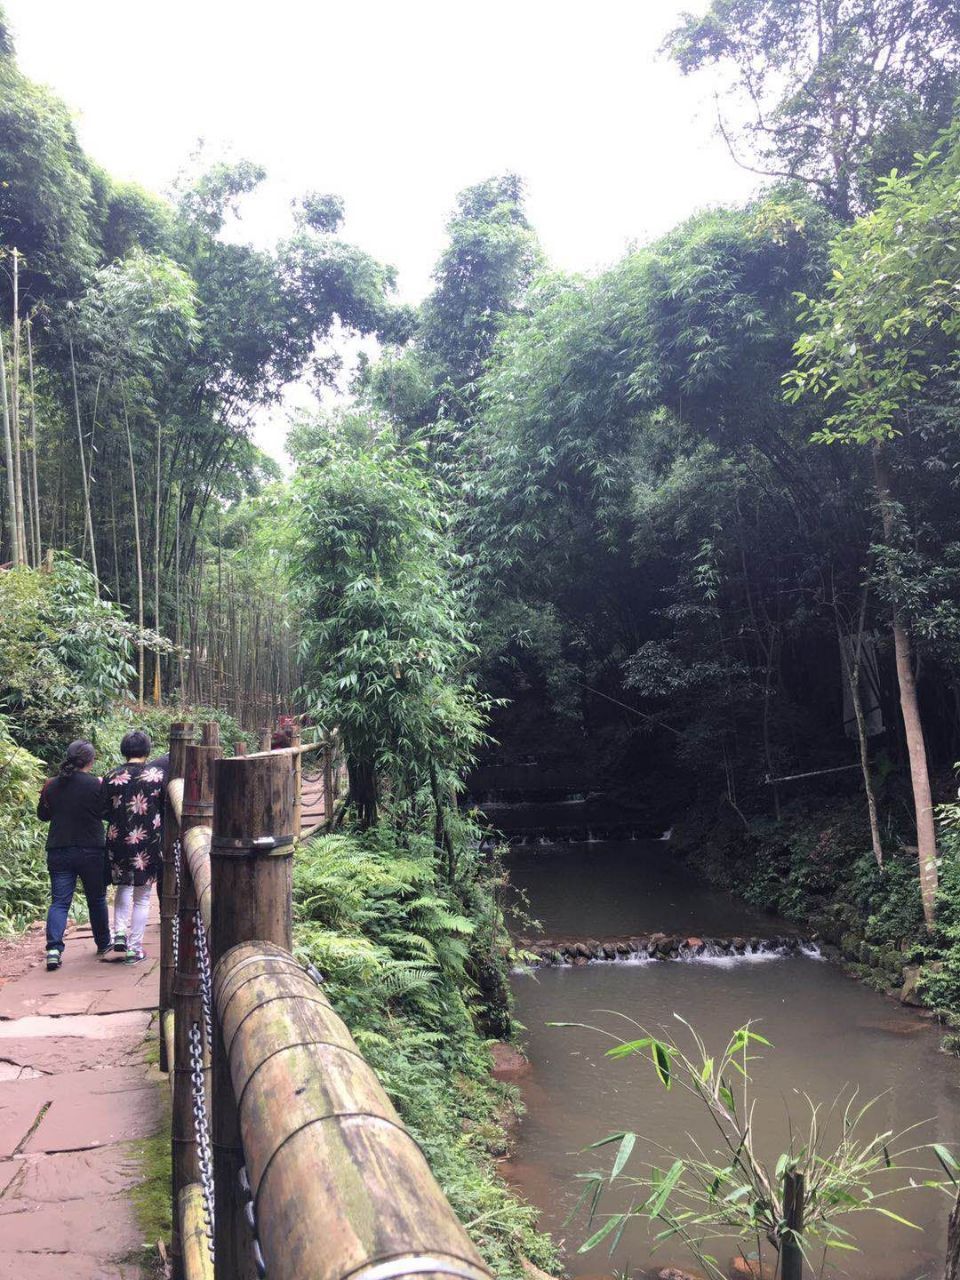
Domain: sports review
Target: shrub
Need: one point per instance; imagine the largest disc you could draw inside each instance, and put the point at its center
(397, 946)
(23, 877)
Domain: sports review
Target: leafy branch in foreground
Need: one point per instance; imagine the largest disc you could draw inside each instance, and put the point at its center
(728, 1191)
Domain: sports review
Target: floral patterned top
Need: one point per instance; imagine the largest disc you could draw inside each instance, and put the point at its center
(133, 804)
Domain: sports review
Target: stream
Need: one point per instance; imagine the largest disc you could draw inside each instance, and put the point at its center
(827, 1032)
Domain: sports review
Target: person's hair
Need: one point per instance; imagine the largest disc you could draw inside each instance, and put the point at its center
(79, 754)
(135, 743)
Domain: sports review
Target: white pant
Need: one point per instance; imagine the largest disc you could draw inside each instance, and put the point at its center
(131, 907)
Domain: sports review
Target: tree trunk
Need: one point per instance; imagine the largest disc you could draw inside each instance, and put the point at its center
(34, 486)
(156, 573)
(952, 1271)
(15, 415)
(913, 726)
(139, 551)
(363, 791)
(83, 473)
(8, 463)
(852, 672)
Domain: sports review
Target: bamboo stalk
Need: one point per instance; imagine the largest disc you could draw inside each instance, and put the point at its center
(35, 488)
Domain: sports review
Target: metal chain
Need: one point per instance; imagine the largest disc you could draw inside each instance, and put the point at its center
(201, 1130)
(176, 914)
(249, 1213)
(206, 983)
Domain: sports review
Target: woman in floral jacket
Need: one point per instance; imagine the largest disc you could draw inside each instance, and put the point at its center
(133, 803)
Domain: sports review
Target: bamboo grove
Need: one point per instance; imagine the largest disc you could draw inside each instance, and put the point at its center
(140, 341)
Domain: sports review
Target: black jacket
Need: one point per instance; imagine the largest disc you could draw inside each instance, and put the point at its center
(73, 806)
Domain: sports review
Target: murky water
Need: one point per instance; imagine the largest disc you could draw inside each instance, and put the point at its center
(827, 1030)
(625, 887)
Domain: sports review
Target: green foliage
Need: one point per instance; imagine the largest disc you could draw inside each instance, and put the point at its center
(831, 95)
(398, 948)
(384, 640)
(108, 731)
(23, 873)
(887, 323)
(729, 1191)
(64, 655)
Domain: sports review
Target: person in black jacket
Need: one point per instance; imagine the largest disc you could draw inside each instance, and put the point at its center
(72, 803)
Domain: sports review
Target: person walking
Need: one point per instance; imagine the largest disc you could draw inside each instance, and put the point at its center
(133, 803)
(73, 805)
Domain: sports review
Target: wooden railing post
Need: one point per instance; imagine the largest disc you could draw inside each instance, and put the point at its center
(266, 737)
(251, 863)
(187, 1000)
(328, 781)
(181, 734)
(295, 742)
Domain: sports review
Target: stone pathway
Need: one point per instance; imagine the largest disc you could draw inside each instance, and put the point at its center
(75, 1092)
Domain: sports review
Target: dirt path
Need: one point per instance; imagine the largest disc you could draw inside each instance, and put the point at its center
(76, 1091)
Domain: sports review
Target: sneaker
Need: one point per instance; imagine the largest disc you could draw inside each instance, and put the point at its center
(135, 955)
(104, 953)
(54, 959)
(120, 942)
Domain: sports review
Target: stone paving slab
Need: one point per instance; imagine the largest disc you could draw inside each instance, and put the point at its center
(75, 1090)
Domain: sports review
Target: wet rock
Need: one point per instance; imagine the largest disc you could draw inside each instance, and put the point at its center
(738, 946)
(609, 951)
(533, 1272)
(508, 1062)
(579, 961)
(696, 945)
(850, 946)
(909, 993)
(741, 1268)
(675, 1273)
(623, 949)
(582, 950)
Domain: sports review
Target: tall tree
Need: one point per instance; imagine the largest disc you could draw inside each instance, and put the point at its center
(832, 93)
(881, 347)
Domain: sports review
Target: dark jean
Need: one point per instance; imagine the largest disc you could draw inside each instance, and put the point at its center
(66, 865)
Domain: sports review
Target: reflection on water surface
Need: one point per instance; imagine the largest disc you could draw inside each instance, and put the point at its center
(828, 1031)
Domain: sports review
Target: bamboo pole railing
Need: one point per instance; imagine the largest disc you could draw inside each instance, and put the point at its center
(289, 1160)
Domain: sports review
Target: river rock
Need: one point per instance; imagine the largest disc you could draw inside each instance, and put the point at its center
(742, 1268)
(695, 945)
(508, 1061)
(909, 993)
(533, 1272)
(674, 1273)
(623, 948)
(609, 951)
(582, 950)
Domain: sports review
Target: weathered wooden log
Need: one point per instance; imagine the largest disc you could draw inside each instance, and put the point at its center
(166, 1039)
(181, 734)
(194, 1232)
(339, 1185)
(196, 855)
(187, 1000)
(265, 736)
(252, 885)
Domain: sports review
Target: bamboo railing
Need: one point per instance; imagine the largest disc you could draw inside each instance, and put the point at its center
(289, 1160)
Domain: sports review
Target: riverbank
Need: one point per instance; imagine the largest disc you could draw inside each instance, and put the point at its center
(815, 869)
(415, 964)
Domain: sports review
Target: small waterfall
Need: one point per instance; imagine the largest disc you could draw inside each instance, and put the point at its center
(659, 948)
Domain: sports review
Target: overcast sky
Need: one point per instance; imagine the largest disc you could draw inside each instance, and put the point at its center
(396, 107)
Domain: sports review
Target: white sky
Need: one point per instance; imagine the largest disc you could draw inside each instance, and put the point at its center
(396, 107)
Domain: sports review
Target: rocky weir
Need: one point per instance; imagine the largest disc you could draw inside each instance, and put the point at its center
(661, 947)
